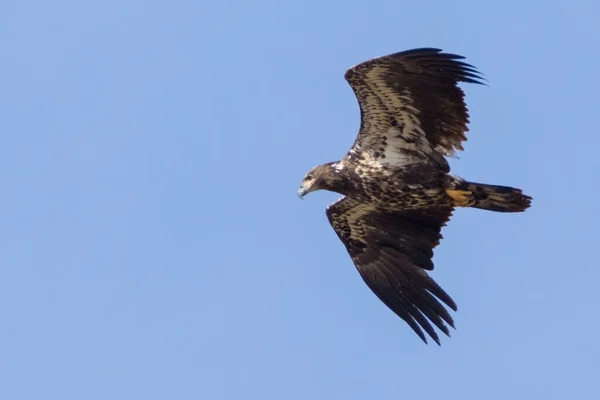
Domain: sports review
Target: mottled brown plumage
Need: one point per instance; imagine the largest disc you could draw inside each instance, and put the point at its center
(396, 184)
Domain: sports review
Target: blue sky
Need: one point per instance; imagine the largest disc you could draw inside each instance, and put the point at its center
(152, 244)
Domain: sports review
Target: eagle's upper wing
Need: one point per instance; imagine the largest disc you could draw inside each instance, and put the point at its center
(411, 105)
(392, 251)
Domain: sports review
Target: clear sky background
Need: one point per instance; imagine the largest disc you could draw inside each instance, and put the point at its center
(152, 245)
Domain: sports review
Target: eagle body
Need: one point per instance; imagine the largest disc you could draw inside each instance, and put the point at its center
(396, 185)
(412, 187)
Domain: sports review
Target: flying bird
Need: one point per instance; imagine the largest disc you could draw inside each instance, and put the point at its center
(395, 181)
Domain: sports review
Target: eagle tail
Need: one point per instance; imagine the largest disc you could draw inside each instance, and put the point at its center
(498, 198)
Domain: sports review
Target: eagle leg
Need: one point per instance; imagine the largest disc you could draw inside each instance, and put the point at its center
(461, 198)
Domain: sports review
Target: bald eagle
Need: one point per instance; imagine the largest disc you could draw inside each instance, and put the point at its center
(397, 188)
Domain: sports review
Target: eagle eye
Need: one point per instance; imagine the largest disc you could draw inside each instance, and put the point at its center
(309, 176)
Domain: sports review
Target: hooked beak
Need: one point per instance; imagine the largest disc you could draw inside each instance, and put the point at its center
(302, 191)
(306, 187)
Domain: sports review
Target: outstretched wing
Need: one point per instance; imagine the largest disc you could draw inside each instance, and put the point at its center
(392, 251)
(411, 106)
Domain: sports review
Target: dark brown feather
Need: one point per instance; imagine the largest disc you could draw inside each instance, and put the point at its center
(392, 249)
(416, 87)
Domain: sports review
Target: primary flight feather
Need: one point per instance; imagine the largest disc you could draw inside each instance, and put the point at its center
(397, 188)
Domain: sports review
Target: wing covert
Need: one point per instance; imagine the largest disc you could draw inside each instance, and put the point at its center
(392, 251)
(411, 106)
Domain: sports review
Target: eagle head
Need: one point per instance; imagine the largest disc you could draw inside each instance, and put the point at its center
(325, 176)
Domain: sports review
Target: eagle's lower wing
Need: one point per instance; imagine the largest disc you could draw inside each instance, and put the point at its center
(392, 251)
(411, 106)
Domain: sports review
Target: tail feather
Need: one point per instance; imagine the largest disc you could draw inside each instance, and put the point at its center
(499, 198)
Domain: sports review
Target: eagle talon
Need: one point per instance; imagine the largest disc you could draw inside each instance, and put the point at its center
(462, 198)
